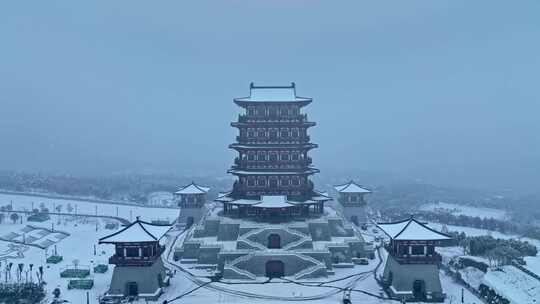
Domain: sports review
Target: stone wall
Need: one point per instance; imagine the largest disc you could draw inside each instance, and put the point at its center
(149, 279)
(404, 275)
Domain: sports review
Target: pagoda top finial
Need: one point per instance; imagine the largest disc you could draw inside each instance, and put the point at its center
(272, 93)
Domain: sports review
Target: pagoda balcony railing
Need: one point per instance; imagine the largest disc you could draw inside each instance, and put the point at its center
(277, 140)
(434, 258)
(136, 261)
(273, 164)
(272, 118)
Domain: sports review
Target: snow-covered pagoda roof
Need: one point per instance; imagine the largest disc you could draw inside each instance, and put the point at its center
(273, 201)
(137, 232)
(273, 94)
(193, 189)
(321, 196)
(351, 187)
(412, 230)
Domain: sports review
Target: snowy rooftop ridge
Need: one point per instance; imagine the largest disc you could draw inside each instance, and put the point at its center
(412, 230)
(273, 94)
(351, 187)
(136, 232)
(193, 189)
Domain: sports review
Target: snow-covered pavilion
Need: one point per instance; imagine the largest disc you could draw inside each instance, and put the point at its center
(139, 270)
(412, 267)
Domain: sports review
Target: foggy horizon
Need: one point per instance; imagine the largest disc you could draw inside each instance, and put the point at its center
(421, 91)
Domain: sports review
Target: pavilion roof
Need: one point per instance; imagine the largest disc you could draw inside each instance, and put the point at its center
(273, 201)
(351, 187)
(136, 232)
(193, 189)
(269, 201)
(273, 94)
(412, 230)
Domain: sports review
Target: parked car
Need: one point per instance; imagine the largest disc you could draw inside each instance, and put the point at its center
(109, 300)
(363, 261)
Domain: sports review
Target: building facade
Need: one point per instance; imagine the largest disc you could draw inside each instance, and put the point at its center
(191, 199)
(412, 266)
(273, 222)
(139, 270)
(352, 202)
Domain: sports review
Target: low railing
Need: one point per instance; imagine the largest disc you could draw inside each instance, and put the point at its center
(273, 140)
(433, 258)
(272, 118)
(136, 261)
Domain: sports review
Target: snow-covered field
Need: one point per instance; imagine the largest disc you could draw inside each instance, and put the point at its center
(510, 282)
(83, 236)
(79, 245)
(129, 212)
(516, 286)
(466, 210)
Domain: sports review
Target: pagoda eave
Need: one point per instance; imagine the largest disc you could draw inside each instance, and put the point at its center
(246, 102)
(239, 147)
(272, 172)
(264, 123)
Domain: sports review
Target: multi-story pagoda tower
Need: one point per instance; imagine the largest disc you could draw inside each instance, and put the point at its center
(273, 144)
(273, 223)
(273, 166)
(411, 272)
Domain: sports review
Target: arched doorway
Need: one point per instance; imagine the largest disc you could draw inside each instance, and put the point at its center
(390, 278)
(160, 280)
(419, 289)
(132, 289)
(275, 269)
(189, 221)
(274, 241)
(354, 220)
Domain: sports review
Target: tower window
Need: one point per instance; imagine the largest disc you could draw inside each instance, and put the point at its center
(417, 250)
(284, 156)
(294, 156)
(273, 157)
(261, 182)
(251, 182)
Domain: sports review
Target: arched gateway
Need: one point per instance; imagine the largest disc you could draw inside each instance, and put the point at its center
(274, 241)
(275, 269)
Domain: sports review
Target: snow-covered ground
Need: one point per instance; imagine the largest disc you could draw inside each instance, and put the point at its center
(515, 285)
(533, 263)
(160, 199)
(466, 210)
(129, 212)
(510, 282)
(79, 245)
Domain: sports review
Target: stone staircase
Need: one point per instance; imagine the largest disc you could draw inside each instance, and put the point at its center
(310, 266)
(237, 273)
(258, 246)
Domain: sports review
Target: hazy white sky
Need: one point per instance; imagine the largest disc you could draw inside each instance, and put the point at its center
(444, 91)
